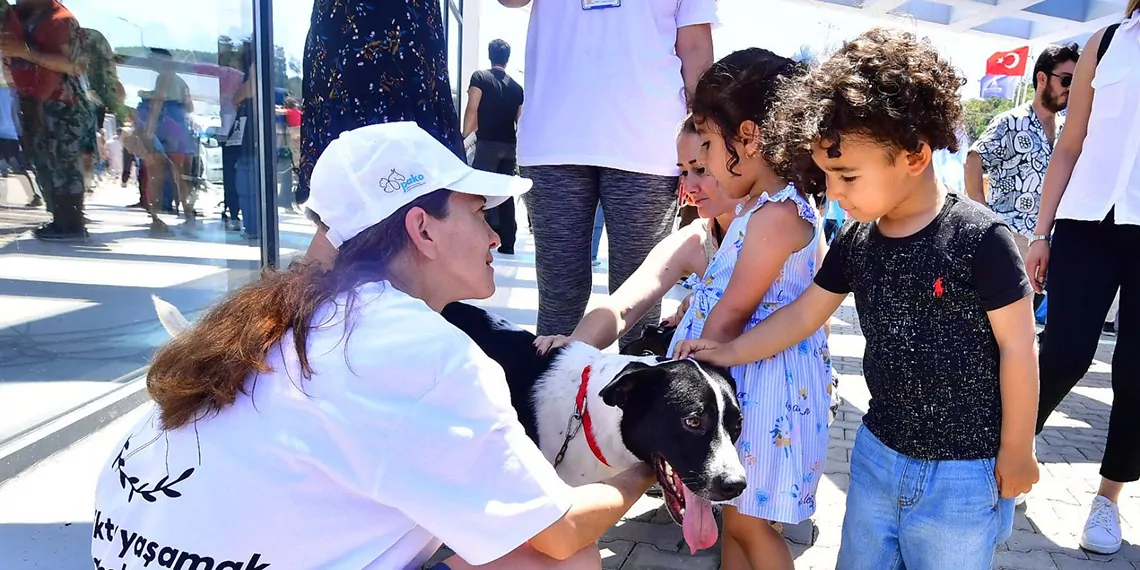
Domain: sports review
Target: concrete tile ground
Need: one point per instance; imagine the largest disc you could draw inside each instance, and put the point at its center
(45, 514)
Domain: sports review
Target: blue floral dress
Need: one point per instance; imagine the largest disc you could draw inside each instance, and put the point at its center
(785, 399)
(372, 62)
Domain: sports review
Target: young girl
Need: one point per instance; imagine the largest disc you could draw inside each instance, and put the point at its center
(768, 257)
(687, 251)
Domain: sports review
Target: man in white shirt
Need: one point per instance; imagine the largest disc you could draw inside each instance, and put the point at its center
(1016, 147)
(606, 85)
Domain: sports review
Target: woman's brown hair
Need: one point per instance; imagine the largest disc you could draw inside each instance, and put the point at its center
(1133, 6)
(202, 370)
(688, 126)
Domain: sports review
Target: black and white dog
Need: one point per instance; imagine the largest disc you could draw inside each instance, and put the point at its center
(595, 414)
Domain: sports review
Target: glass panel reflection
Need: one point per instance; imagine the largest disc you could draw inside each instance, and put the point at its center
(290, 30)
(128, 148)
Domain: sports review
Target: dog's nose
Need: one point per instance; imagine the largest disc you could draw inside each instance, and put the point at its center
(728, 487)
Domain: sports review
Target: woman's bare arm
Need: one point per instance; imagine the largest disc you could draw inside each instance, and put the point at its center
(1072, 140)
(597, 507)
(679, 254)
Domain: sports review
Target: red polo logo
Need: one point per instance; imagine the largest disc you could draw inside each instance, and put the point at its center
(938, 290)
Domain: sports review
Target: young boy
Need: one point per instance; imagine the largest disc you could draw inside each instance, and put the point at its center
(943, 301)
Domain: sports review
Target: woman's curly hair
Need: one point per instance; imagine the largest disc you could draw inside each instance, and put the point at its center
(887, 85)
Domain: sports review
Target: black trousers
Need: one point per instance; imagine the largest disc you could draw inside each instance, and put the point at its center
(499, 157)
(230, 155)
(1088, 262)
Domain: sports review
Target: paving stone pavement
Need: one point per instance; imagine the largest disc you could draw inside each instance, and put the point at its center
(15, 220)
(1046, 528)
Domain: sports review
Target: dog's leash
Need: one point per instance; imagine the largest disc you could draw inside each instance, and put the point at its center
(573, 425)
(580, 418)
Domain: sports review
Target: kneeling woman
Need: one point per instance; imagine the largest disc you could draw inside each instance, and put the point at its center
(331, 418)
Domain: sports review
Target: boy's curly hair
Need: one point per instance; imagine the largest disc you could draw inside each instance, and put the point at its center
(887, 85)
(740, 87)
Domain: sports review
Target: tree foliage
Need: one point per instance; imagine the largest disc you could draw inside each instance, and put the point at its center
(979, 113)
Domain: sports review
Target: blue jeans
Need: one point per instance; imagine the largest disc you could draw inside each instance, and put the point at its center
(906, 513)
(245, 178)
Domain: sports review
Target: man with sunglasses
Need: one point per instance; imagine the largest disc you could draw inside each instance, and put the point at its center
(1015, 149)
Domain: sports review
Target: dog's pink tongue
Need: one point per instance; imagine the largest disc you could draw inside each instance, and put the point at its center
(699, 526)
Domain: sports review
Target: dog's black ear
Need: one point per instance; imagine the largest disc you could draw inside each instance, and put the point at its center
(617, 391)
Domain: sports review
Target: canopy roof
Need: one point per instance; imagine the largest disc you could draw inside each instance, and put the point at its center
(1033, 21)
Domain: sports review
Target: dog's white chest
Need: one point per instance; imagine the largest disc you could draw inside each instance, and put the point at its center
(555, 402)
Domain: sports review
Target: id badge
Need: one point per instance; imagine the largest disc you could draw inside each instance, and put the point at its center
(600, 4)
(237, 134)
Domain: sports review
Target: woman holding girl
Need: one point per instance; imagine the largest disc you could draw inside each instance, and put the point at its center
(684, 252)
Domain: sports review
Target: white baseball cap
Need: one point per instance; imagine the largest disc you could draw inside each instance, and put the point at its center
(368, 173)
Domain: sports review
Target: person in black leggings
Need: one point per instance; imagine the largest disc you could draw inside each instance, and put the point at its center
(1091, 203)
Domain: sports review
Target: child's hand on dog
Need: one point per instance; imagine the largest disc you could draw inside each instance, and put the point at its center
(705, 350)
(544, 344)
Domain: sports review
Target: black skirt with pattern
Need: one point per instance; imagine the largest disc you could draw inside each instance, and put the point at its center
(369, 62)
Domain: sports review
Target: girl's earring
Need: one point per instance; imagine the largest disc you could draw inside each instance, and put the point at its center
(752, 149)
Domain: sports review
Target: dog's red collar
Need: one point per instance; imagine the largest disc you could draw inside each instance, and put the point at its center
(584, 413)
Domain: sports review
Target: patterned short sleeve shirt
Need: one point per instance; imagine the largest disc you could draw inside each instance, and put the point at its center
(1015, 154)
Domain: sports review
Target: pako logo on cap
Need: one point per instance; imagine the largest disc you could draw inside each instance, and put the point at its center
(415, 181)
(396, 181)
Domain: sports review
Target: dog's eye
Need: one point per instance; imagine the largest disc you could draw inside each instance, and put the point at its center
(693, 422)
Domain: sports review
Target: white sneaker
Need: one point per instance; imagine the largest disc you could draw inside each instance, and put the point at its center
(1102, 530)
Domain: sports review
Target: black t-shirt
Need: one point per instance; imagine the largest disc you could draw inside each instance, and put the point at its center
(499, 106)
(931, 360)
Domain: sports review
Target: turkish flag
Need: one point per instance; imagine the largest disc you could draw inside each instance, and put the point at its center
(1008, 62)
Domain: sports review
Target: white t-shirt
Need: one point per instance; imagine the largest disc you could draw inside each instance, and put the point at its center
(604, 86)
(369, 464)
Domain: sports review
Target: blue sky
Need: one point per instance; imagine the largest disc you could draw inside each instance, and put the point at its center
(780, 25)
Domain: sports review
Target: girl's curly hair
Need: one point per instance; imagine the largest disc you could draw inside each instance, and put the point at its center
(887, 85)
(741, 87)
